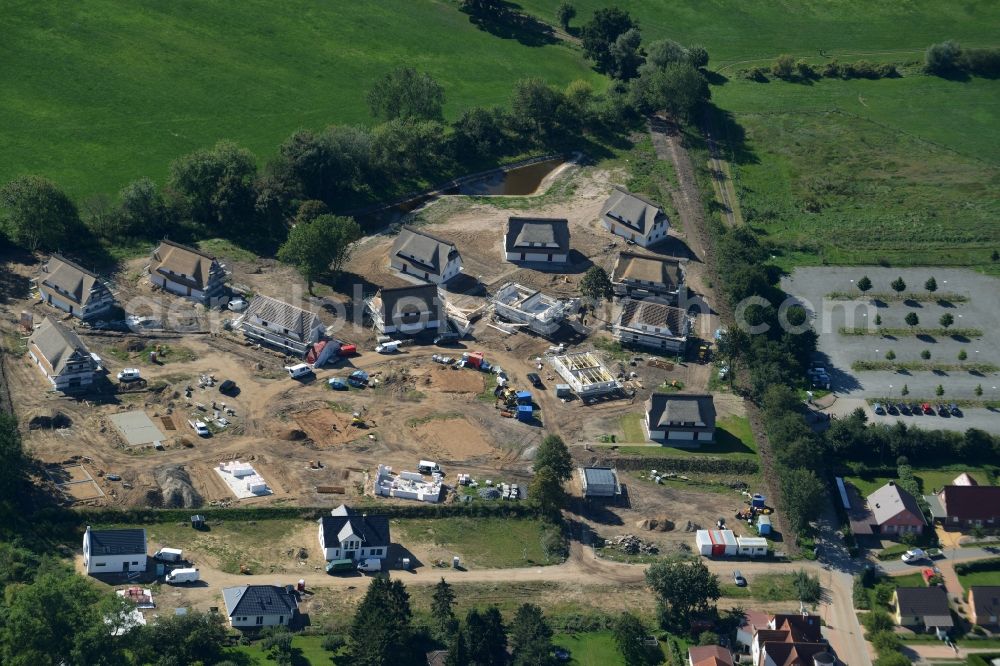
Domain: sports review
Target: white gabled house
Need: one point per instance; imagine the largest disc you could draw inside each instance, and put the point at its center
(61, 356)
(653, 325)
(114, 551)
(540, 240)
(347, 535)
(74, 289)
(186, 271)
(254, 606)
(284, 326)
(680, 419)
(425, 257)
(634, 218)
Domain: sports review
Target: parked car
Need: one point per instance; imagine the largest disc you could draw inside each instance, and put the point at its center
(913, 555)
(738, 579)
(943, 411)
(927, 409)
(200, 428)
(915, 409)
(955, 411)
(227, 387)
(237, 305)
(535, 380)
(446, 339)
(902, 408)
(878, 408)
(562, 654)
(129, 375)
(891, 408)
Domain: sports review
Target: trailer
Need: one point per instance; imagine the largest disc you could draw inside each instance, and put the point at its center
(339, 566)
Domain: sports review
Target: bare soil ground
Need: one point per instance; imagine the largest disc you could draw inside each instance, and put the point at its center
(419, 410)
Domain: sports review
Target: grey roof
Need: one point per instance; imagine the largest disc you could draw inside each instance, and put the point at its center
(258, 600)
(636, 314)
(658, 270)
(889, 501)
(72, 279)
(420, 297)
(599, 476)
(295, 319)
(925, 602)
(632, 210)
(666, 408)
(59, 345)
(199, 267)
(118, 542)
(421, 248)
(372, 530)
(537, 233)
(986, 600)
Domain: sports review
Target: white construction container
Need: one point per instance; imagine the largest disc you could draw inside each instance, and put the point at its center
(716, 543)
(752, 546)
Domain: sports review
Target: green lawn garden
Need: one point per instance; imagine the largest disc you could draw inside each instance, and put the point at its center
(98, 94)
(733, 439)
(481, 542)
(306, 651)
(985, 572)
(929, 479)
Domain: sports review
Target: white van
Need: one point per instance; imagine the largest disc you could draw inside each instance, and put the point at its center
(129, 375)
(428, 467)
(298, 370)
(370, 565)
(169, 554)
(388, 347)
(182, 576)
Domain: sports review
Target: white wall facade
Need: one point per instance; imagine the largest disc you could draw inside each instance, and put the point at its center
(259, 620)
(359, 551)
(655, 235)
(109, 564)
(452, 269)
(537, 257)
(75, 376)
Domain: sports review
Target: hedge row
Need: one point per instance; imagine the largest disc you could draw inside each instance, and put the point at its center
(707, 465)
(992, 564)
(243, 514)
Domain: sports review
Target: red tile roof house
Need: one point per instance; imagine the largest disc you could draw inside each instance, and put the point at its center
(984, 602)
(709, 655)
(965, 507)
(895, 511)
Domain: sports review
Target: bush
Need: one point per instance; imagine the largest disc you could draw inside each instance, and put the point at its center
(878, 620)
(554, 543)
(886, 641)
(784, 66)
(333, 642)
(758, 74)
(942, 58)
(860, 594)
(807, 586)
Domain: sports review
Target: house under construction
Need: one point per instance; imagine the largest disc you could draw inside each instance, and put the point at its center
(531, 308)
(585, 373)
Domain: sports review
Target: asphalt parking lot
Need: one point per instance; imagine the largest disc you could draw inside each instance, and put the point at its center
(983, 419)
(838, 352)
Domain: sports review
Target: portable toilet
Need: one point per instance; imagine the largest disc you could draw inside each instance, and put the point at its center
(764, 525)
(757, 501)
(524, 413)
(524, 397)
(455, 562)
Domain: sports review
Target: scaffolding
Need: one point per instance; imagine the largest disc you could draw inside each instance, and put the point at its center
(585, 373)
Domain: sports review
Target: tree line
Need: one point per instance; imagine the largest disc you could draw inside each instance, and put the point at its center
(949, 58)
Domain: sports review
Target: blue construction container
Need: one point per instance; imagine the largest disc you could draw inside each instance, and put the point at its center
(764, 525)
(757, 501)
(524, 413)
(524, 397)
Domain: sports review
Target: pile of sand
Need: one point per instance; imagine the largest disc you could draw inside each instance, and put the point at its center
(178, 492)
(658, 524)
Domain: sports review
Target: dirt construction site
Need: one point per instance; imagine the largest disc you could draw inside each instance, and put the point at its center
(312, 445)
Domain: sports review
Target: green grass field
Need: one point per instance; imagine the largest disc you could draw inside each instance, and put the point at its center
(101, 93)
(480, 542)
(732, 30)
(306, 651)
(733, 439)
(591, 649)
(989, 577)
(841, 189)
(929, 479)
(764, 587)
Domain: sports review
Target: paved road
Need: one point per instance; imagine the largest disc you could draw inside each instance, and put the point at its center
(951, 555)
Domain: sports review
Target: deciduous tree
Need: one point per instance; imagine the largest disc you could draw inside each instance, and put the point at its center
(946, 320)
(931, 284)
(564, 14)
(629, 634)
(682, 588)
(37, 215)
(596, 284)
(898, 285)
(552, 454)
(320, 245)
(600, 33)
(217, 187)
(803, 496)
(911, 319)
(406, 93)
